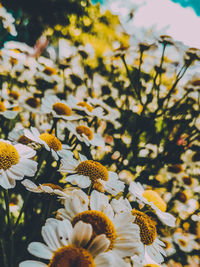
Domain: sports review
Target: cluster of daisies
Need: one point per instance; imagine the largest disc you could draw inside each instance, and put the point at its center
(97, 228)
(97, 225)
(52, 113)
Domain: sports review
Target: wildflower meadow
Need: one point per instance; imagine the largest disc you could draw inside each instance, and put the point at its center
(99, 141)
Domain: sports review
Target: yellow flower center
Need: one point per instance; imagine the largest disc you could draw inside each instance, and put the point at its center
(85, 105)
(52, 141)
(196, 82)
(182, 197)
(84, 130)
(14, 94)
(154, 197)
(94, 170)
(182, 242)
(24, 140)
(187, 180)
(2, 107)
(101, 224)
(50, 71)
(175, 168)
(72, 256)
(147, 226)
(14, 200)
(8, 155)
(62, 109)
(151, 265)
(13, 61)
(33, 102)
(167, 244)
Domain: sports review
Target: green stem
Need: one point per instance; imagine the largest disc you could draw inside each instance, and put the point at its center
(41, 159)
(89, 189)
(5, 261)
(128, 73)
(6, 198)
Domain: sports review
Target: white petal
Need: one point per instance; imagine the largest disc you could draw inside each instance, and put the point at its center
(82, 234)
(166, 218)
(32, 264)
(99, 244)
(40, 250)
(30, 167)
(50, 236)
(25, 151)
(29, 184)
(65, 231)
(80, 180)
(4, 182)
(9, 114)
(82, 157)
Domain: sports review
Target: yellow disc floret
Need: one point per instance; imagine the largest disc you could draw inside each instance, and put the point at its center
(85, 105)
(147, 226)
(71, 256)
(62, 109)
(14, 94)
(8, 155)
(84, 130)
(151, 265)
(101, 224)
(154, 197)
(52, 141)
(176, 168)
(2, 107)
(182, 242)
(33, 102)
(93, 169)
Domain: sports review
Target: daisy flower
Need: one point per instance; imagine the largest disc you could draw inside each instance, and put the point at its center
(44, 188)
(50, 142)
(85, 134)
(122, 233)
(152, 198)
(71, 246)
(186, 242)
(30, 103)
(8, 114)
(148, 232)
(17, 136)
(89, 172)
(15, 163)
(59, 108)
(85, 106)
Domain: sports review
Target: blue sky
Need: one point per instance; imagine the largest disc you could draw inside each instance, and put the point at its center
(195, 4)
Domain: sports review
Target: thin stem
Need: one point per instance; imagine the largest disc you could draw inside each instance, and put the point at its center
(128, 73)
(41, 159)
(21, 211)
(5, 261)
(6, 199)
(89, 189)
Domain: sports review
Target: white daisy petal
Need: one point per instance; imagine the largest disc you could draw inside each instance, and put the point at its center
(99, 244)
(40, 250)
(32, 264)
(82, 234)
(50, 237)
